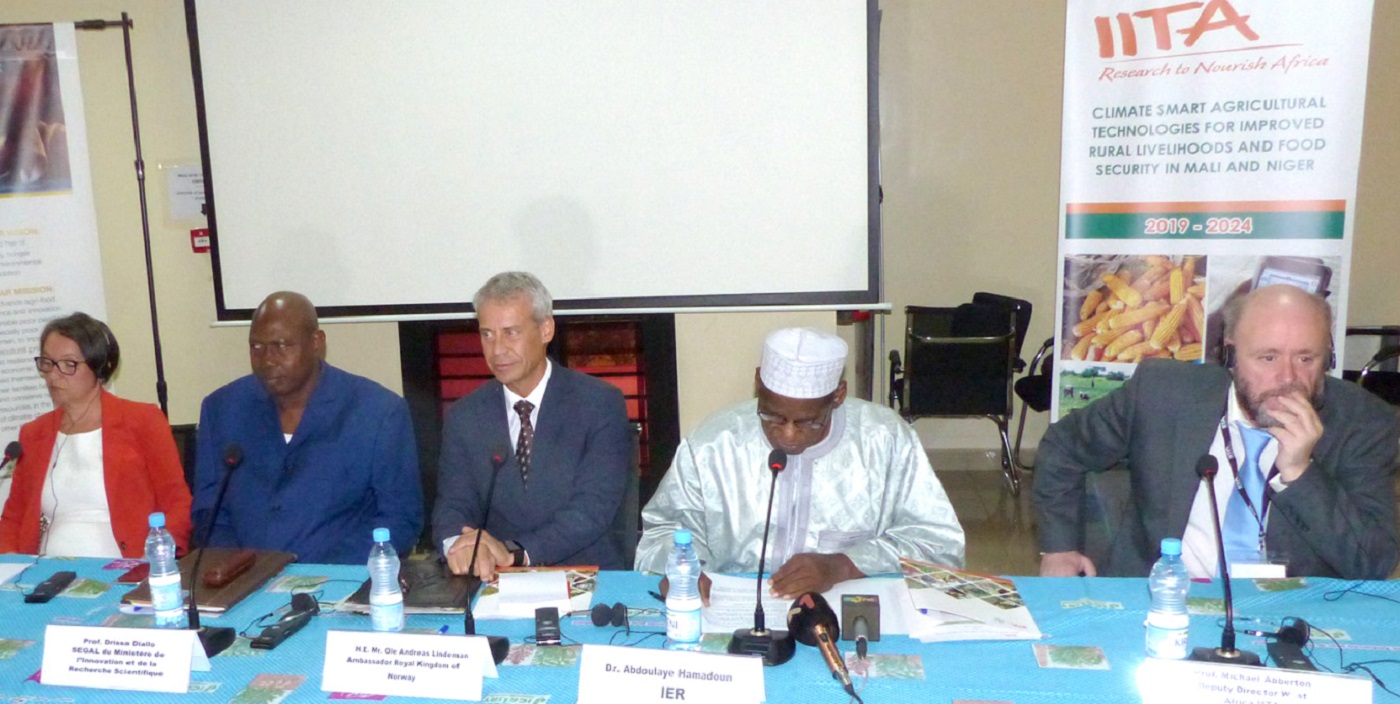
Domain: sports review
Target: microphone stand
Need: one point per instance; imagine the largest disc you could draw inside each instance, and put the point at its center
(1226, 653)
(214, 639)
(775, 647)
(500, 645)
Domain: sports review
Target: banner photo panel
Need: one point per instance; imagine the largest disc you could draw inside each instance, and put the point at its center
(1209, 149)
(50, 263)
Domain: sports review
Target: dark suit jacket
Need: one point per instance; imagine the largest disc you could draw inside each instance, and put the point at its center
(1336, 520)
(578, 471)
(140, 469)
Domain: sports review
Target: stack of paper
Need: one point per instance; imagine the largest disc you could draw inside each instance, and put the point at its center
(954, 605)
(581, 582)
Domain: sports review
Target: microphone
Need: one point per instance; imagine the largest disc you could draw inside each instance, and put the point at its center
(776, 647)
(500, 645)
(1206, 468)
(214, 640)
(812, 622)
(861, 628)
(13, 452)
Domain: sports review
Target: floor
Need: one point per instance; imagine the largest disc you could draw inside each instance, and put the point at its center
(999, 528)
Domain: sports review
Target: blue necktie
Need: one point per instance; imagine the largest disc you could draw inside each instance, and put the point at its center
(1241, 528)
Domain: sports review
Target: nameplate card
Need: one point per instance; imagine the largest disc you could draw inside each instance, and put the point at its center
(406, 664)
(1258, 570)
(1175, 681)
(610, 674)
(136, 659)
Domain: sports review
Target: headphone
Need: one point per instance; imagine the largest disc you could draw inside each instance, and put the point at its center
(615, 615)
(1227, 356)
(1293, 630)
(110, 354)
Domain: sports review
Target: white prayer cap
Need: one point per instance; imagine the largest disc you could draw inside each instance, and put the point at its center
(802, 363)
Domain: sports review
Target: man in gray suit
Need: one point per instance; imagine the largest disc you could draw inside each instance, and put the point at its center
(557, 440)
(1324, 450)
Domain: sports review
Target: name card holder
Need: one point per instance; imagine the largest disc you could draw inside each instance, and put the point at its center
(406, 664)
(134, 659)
(1175, 681)
(610, 674)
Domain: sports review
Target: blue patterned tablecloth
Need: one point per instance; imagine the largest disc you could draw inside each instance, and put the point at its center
(1093, 612)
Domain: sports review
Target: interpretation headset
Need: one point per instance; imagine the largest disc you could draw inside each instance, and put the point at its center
(1227, 356)
(111, 353)
(615, 615)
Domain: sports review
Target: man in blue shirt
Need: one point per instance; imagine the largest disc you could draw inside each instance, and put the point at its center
(327, 456)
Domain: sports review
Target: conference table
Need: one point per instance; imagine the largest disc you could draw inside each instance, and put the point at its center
(1097, 612)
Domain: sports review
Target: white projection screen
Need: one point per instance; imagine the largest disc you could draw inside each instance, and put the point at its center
(387, 158)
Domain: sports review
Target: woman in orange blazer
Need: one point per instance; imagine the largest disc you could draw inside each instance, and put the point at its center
(94, 469)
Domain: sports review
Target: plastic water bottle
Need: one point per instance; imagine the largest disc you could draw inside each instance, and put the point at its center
(385, 596)
(683, 595)
(167, 598)
(1168, 622)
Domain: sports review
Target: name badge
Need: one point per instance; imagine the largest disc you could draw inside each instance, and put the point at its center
(610, 674)
(406, 664)
(1175, 681)
(135, 659)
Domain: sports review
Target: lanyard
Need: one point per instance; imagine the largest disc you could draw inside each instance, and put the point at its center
(1262, 514)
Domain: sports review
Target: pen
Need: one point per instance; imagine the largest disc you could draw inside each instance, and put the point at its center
(657, 597)
(442, 630)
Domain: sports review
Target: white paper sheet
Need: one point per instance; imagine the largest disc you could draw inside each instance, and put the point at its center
(523, 592)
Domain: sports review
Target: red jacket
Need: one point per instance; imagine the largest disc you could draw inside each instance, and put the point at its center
(141, 470)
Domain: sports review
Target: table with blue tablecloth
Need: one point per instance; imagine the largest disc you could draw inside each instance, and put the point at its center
(1365, 616)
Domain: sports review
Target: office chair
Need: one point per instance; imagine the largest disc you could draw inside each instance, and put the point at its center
(959, 363)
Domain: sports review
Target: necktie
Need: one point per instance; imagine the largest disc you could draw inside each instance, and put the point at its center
(526, 438)
(1241, 527)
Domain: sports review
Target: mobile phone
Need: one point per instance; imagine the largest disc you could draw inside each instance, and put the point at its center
(547, 626)
(1307, 273)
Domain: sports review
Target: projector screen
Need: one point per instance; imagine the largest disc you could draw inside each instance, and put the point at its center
(387, 158)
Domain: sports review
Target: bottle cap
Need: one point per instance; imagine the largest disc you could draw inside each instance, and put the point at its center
(157, 520)
(381, 535)
(682, 537)
(1171, 546)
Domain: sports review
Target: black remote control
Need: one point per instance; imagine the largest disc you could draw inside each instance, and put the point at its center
(51, 587)
(547, 626)
(273, 635)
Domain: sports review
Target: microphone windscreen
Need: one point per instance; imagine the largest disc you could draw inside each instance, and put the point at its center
(1207, 466)
(809, 611)
(233, 455)
(777, 460)
(14, 450)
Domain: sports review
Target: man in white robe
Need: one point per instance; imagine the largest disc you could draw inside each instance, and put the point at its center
(857, 494)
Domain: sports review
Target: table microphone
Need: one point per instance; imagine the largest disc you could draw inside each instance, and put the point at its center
(13, 452)
(1207, 467)
(500, 645)
(776, 647)
(214, 640)
(811, 621)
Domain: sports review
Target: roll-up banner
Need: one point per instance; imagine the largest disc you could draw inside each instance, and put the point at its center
(1209, 148)
(50, 264)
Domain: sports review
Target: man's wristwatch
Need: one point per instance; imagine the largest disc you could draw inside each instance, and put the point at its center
(517, 553)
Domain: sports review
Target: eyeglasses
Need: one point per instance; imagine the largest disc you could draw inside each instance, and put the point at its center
(67, 367)
(810, 426)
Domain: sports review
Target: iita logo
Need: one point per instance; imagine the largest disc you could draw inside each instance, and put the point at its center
(1190, 20)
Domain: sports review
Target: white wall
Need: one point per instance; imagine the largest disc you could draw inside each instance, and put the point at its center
(970, 102)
